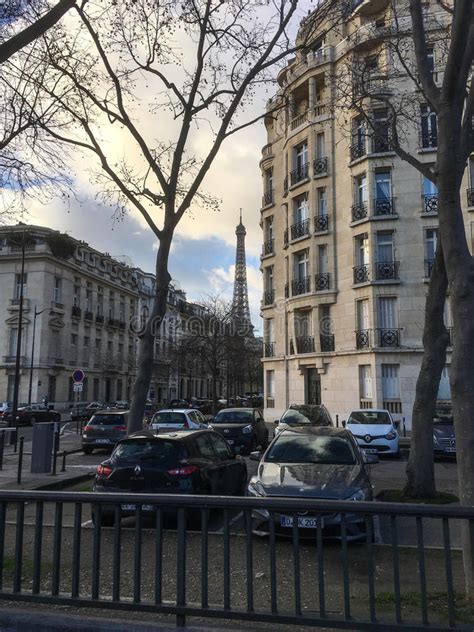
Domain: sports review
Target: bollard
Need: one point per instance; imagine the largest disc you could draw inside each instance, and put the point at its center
(55, 452)
(63, 466)
(20, 460)
(404, 428)
(2, 446)
(77, 425)
(337, 421)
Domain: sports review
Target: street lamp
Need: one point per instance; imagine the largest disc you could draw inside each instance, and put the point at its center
(16, 384)
(37, 313)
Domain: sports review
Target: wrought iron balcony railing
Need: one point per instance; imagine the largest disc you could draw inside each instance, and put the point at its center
(381, 144)
(362, 339)
(359, 211)
(76, 311)
(361, 273)
(300, 229)
(389, 337)
(470, 197)
(430, 203)
(300, 173)
(88, 315)
(99, 319)
(429, 140)
(112, 322)
(384, 206)
(268, 197)
(322, 282)
(268, 297)
(268, 247)
(327, 342)
(305, 344)
(11, 359)
(320, 166)
(386, 270)
(321, 223)
(300, 286)
(429, 263)
(358, 149)
(268, 350)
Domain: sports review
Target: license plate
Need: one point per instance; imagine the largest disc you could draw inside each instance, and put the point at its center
(102, 440)
(130, 507)
(370, 450)
(303, 522)
(450, 449)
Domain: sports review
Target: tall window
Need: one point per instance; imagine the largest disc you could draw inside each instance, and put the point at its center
(100, 301)
(269, 278)
(430, 56)
(18, 285)
(88, 296)
(390, 382)
(361, 249)
(385, 246)
(387, 312)
(429, 127)
(269, 180)
(13, 341)
(431, 243)
(360, 189)
(302, 324)
(320, 145)
(301, 263)
(270, 384)
(383, 186)
(362, 314)
(112, 305)
(268, 229)
(57, 289)
(122, 308)
(301, 156)
(322, 202)
(269, 330)
(76, 298)
(300, 209)
(322, 259)
(381, 131)
(365, 381)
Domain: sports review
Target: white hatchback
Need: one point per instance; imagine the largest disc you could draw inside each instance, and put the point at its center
(178, 419)
(374, 430)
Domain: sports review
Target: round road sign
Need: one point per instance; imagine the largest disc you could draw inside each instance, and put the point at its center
(78, 375)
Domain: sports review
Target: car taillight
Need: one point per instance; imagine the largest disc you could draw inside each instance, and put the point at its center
(103, 471)
(119, 427)
(86, 428)
(184, 470)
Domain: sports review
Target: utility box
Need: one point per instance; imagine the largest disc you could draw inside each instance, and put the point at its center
(42, 447)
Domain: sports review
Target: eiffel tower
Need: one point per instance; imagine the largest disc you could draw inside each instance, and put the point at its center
(240, 301)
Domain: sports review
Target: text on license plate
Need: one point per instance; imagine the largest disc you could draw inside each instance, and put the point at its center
(450, 449)
(102, 440)
(303, 522)
(370, 450)
(133, 507)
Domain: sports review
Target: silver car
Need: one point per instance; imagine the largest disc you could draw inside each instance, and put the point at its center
(178, 419)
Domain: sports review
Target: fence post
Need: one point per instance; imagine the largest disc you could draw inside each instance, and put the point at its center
(63, 467)
(404, 428)
(20, 461)
(2, 446)
(337, 421)
(55, 451)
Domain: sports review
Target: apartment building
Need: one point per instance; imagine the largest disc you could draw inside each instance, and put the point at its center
(84, 310)
(349, 229)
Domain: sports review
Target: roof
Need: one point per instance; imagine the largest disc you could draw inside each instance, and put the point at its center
(237, 409)
(317, 430)
(370, 410)
(111, 411)
(172, 434)
(178, 410)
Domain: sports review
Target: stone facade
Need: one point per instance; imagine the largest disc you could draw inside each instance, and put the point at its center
(349, 230)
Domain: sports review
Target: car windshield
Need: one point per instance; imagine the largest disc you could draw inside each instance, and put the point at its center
(169, 418)
(233, 417)
(164, 454)
(305, 415)
(381, 417)
(306, 448)
(108, 420)
(443, 414)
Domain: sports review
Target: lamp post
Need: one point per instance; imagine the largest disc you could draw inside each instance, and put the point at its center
(37, 313)
(16, 384)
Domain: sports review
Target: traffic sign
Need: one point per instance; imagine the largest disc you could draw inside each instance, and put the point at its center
(78, 375)
(78, 387)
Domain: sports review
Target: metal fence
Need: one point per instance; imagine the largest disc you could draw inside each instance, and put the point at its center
(198, 556)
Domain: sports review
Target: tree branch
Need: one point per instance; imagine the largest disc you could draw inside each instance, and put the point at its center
(431, 91)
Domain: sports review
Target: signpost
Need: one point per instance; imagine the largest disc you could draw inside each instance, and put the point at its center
(78, 377)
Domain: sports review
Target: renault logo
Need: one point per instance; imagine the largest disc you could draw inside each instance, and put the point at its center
(138, 470)
(367, 438)
(226, 431)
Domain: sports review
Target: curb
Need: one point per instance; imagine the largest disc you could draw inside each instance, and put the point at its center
(65, 482)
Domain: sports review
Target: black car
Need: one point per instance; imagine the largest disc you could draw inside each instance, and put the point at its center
(243, 428)
(313, 463)
(444, 439)
(183, 462)
(104, 430)
(83, 412)
(30, 414)
(303, 415)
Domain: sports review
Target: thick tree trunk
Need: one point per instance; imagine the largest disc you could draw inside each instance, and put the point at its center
(147, 338)
(420, 467)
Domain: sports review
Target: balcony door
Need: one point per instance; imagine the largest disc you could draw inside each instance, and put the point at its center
(431, 243)
(312, 387)
(361, 190)
(301, 265)
(301, 156)
(301, 210)
(361, 250)
(388, 313)
(363, 319)
(385, 247)
(383, 187)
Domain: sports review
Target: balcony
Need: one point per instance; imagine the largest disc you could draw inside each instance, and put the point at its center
(11, 359)
(361, 273)
(268, 297)
(268, 247)
(268, 197)
(305, 344)
(300, 286)
(384, 206)
(55, 361)
(112, 322)
(300, 229)
(359, 211)
(299, 174)
(321, 223)
(56, 305)
(362, 339)
(327, 343)
(322, 282)
(267, 150)
(299, 120)
(386, 270)
(430, 204)
(321, 56)
(88, 315)
(15, 304)
(381, 144)
(122, 325)
(429, 140)
(76, 311)
(99, 319)
(429, 264)
(358, 150)
(320, 166)
(389, 337)
(470, 197)
(268, 350)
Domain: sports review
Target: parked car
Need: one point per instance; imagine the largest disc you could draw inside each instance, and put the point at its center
(179, 403)
(104, 430)
(243, 428)
(374, 430)
(303, 415)
(178, 419)
(444, 439)
(195, 462)
(30, 414)
(312, 462)
(5, 406)
(84, 412)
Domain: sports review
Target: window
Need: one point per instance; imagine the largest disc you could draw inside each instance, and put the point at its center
(268, 229)
(100, 301)
(365, 381)
(18, 285)
(320, 145)
(361, 250)
(57, 290)
(301, 264)
(385, 246)
(362, 314)
(323, 259)
(383, 187)
(220, 447)
(300, 209)
(430, 56)
(204, 446)
(301, 157)
(322, 201)
(360, 189)
(444, 390)
(358, 138)
(268, 180)
(86, 341)
(122, 309)
(471, 172)
(88, 296)
(76, 299)
(431, 243)
(390, 382)
(269, 330)
(381, 131)
(111, 305)
(387, 312)
(429, 188)
(429, 127)
(13, 341)
(303, 327)
(74, 340)
(269, 278)
(270, 384)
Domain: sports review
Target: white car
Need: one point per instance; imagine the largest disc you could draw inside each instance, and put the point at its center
(178, 419)
(374, 430)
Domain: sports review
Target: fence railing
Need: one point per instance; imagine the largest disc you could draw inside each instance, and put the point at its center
(51, 553)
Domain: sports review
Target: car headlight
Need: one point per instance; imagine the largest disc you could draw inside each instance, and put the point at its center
(247, 430)
(435, 440)
(391, 435)
(255, 488)
(360, 495)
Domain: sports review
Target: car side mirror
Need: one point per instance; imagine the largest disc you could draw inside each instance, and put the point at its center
(255, 456)
(344, 423)
(371, 459)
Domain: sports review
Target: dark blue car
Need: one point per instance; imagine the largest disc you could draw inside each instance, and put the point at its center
(444, 439)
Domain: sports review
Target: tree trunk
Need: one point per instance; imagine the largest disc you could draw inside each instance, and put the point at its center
(420, 467)
(147, 338)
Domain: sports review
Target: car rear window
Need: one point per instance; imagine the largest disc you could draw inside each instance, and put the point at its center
(307, 448)
(306, 415)
(108, 420)
(162, 453)
(234, 417)
(169, 418)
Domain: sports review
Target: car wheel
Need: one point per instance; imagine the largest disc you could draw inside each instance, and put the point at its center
(87, 449)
